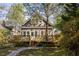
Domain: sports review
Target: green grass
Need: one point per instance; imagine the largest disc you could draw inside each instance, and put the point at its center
(43, 52)
(35, 52)
(6, 51)
(60, 53)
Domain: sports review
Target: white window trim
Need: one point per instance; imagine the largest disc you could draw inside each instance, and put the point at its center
(43, 32)
(27, 31)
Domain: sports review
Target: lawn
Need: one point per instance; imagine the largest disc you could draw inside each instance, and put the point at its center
(35, 52)
(43, 52)
(6, 51)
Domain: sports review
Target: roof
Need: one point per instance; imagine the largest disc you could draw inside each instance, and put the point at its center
(9, 24)
(34, 16)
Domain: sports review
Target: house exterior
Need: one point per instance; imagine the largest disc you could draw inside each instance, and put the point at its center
(35, 27)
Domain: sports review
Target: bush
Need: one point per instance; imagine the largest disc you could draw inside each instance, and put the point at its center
(46, 44)
(21, 44)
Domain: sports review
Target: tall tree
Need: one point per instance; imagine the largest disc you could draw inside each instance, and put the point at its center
(46, 9)
(49, 9)
(16, 12)
(69, 25)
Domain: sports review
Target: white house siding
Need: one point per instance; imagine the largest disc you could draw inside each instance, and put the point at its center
(39, 32)
(30, 32)
(15, 32)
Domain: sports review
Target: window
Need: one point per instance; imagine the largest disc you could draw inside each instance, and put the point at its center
(55, 30)
(32, 34)
(24, 33)
(35, 33)
(27, 32)
(42, 33)
(49, 32)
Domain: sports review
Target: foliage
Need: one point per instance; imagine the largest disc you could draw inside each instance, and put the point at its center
(69, 27)
(47, 10)
(15, 38)
(4, 37)
(16, 13)
(3, 33)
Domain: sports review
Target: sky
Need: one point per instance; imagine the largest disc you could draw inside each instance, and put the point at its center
(4, 12)
(8, 5)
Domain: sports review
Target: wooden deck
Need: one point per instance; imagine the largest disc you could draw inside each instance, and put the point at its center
(26, 41)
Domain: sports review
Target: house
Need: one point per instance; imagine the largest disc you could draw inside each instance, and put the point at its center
(35, 27)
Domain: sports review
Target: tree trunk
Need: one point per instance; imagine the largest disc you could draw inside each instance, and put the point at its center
(47, 30)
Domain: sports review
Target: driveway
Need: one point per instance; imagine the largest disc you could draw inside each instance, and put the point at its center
(15, 52)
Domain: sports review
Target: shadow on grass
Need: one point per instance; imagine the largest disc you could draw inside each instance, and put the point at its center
(43, 52)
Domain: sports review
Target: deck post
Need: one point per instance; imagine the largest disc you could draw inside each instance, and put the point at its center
(29, 41)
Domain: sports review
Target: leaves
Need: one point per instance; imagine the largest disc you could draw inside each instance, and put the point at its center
(16, 13)
(70, 28)
(3, 35)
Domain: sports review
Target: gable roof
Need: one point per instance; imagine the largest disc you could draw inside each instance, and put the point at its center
(9, 24)
(36, 14)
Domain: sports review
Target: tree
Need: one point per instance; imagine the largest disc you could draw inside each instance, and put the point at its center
(2, 7)
(16, 12)
(49, 9)
(69, 26)
(3, 37)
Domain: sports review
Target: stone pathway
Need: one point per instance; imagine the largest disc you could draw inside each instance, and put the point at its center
(15, 52)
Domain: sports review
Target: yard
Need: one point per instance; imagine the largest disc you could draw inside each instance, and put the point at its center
(6, 51)
(43, 52)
